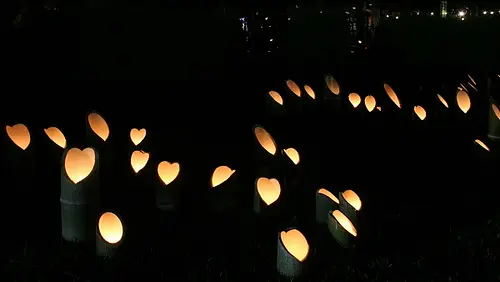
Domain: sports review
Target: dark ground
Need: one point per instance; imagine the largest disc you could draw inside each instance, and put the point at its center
(429, 211)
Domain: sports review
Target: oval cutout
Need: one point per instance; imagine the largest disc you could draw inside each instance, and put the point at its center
(110, 228)
(354, 99)
(265, 140)
(420, 112)
(352, 199)
(345, 222)
(276, 97)
(392, 95)
(463, 101)
(221, 175)
(56, 136)
(98, 125)
(293, 87)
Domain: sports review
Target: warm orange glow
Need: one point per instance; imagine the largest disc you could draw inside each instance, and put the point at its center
(345, 222)
(138, 160)
(353, 199)
(354, 99)
(443, 101)
(392, 95)
(295, 243)
(309, 91)
(168, 171)
(329, 194)
(56, 136)
(137, 135)
(495, 110)
(293, 155)
(463, 101)
(276, 97)
(293, 87)
(98, 126)
(481, 143)
(78, 164)
(420, 112)
(332, 84)
(110, 228)
(19, 134)
(379, 108)
(370, 103)
(472, 79)
(473, 87)
(269, 190)
(221, 175)
(265, 140)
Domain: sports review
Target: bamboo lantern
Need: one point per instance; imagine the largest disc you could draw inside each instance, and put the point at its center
(138, 160)
(137, 137)
(275, 104)
(293, 250)
(79, 193)
(481, 150)
(309, 99)
(494, 121)
(370, 103)
(392, 95)
(350, 204)
(266, 195)
(325, 202)
(18, 161)
(167, 194)
(222, 184)
(341, 228)
(266, 148)
(109, 235)
(331, 96)
(294, 97)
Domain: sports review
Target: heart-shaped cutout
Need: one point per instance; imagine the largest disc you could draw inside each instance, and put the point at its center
(56, 136)
(168, 171)
(295, 243)
(78, 164)
(138, 160)
(221, 175)
(137, 135)
(293, 155)
(269, 190)
(98, 125)
(19, 134)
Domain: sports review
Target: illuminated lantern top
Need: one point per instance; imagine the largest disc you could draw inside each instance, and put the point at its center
(19, 134)
(463, 101)
(221, 175)
(56, 136)
(265, 140)
(345, 222)
(295, 243)
(332, 84)
(276, 97)
(309, 91)
(353, 199)
(98, 125)
(110, 228)
(293, 87)
(392, 95)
